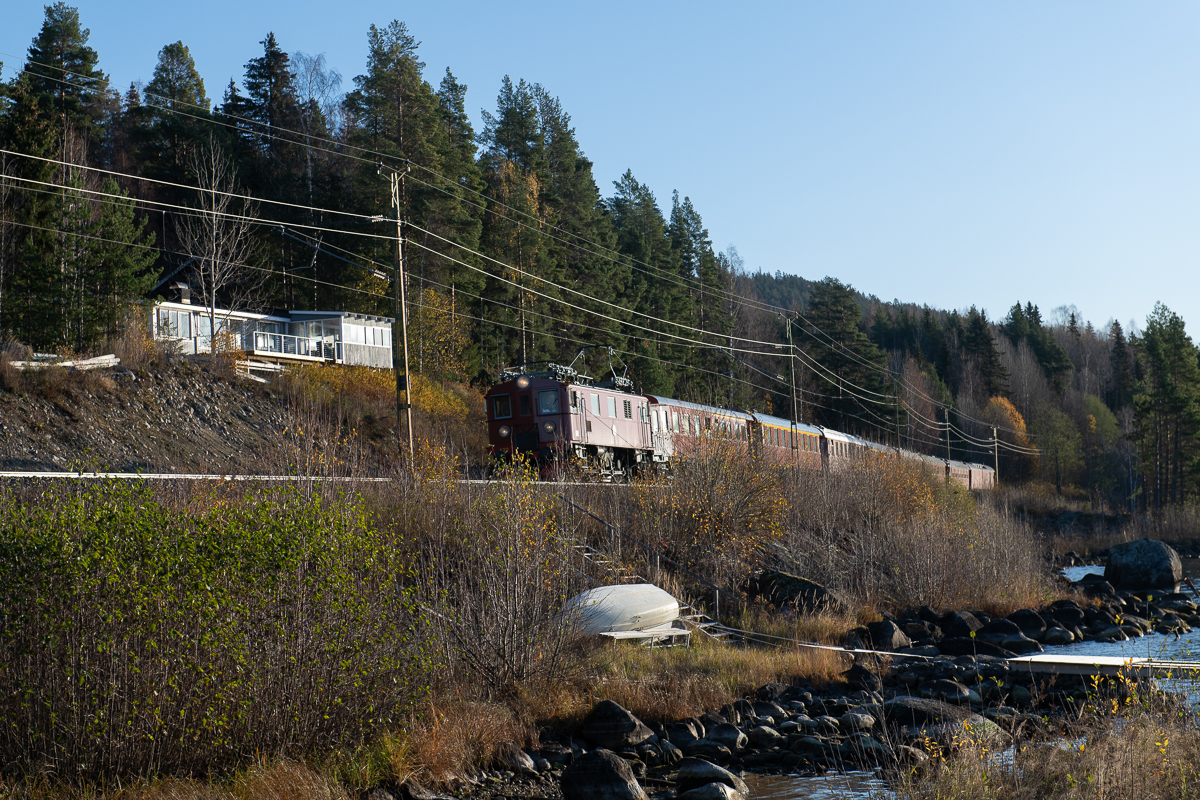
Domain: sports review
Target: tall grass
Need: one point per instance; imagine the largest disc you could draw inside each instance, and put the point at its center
(888, 532)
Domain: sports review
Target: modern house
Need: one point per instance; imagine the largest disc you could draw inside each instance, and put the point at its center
(341, 337)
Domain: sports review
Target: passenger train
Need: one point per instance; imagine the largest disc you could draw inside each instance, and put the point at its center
(557, 416)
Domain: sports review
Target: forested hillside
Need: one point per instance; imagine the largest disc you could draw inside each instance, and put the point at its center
(262, 197)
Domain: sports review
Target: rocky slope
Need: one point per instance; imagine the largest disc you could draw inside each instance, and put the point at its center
(173, 417)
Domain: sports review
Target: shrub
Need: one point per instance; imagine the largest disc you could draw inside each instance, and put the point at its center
(138, 640)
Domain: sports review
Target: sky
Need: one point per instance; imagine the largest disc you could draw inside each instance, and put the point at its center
(949, 154)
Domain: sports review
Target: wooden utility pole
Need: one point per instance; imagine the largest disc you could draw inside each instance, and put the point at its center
(996, 456)
(792, 363)
(401, 316)
(947, 410)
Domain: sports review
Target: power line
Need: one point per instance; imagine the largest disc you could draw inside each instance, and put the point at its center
(308, 137)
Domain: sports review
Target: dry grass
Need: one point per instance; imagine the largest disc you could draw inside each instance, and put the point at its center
(451, 737)
(673, 683)
(1145, 758)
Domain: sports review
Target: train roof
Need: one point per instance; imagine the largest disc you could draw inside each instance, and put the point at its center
(780, 422)
(668, 401)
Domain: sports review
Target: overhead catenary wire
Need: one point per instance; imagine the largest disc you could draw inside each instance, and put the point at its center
(308, 137)
(486, 207)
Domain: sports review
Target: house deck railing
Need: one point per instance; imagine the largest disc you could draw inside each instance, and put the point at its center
(302, 346)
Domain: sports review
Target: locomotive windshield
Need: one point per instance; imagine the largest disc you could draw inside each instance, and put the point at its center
(502, 406)
(548, 402)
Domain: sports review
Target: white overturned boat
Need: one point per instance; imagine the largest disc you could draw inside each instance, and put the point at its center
(626, 611)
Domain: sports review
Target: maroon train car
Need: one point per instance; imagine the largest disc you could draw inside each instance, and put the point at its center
(551, 420)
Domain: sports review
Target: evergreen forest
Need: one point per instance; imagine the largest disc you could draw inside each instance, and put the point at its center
(261, 195)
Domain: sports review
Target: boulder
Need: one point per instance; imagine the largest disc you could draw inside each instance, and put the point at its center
(972, 647)
(1029, 622)
(509, 756)
(712, 791)
(959, 624)
(770, 691)
(729, 736)
(856, 721)
(764, 737)
(680, 732)
(1056, 634)
(696, 772)
(859, 677)
(611, 726)
(600, 775)
(886, 635)
(764, 708)
(997, 631)
(919, 712)
(783, 588)
(949, 691)
(1144, 564)
(1068, 616)
(1020, 645)
(706, 749)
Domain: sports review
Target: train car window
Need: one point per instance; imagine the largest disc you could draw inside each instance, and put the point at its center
(501, 406)
(628, 409)
(575, 400)
(548, 402)
(524, 405)
(653, 421)
(596, 404)
(675, 421)
(612, 408)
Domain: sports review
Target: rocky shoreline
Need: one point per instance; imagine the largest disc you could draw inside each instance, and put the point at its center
(947, 684)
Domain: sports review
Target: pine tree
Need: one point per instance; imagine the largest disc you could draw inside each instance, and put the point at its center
(62, 74)
(168, 131)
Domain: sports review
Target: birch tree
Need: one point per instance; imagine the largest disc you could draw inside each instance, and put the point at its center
(217, 236)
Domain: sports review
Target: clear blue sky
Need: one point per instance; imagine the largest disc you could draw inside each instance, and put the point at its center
(944, 153)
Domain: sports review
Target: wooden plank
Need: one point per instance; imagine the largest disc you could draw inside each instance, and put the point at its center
(1054, 664)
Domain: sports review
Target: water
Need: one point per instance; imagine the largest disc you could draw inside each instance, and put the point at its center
(865, 786)
(1185, 647)
(859, 785)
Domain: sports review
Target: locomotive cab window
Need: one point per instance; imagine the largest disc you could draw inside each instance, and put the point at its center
(525, 412)
(501, 406)
(548, 402)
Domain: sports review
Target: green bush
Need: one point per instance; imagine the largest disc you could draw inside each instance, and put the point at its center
(140, 639)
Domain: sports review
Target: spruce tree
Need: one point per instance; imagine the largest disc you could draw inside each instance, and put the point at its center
(850, 366)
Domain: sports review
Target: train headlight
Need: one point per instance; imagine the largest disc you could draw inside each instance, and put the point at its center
(523, 382)
(504, 431)
(548, 427)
